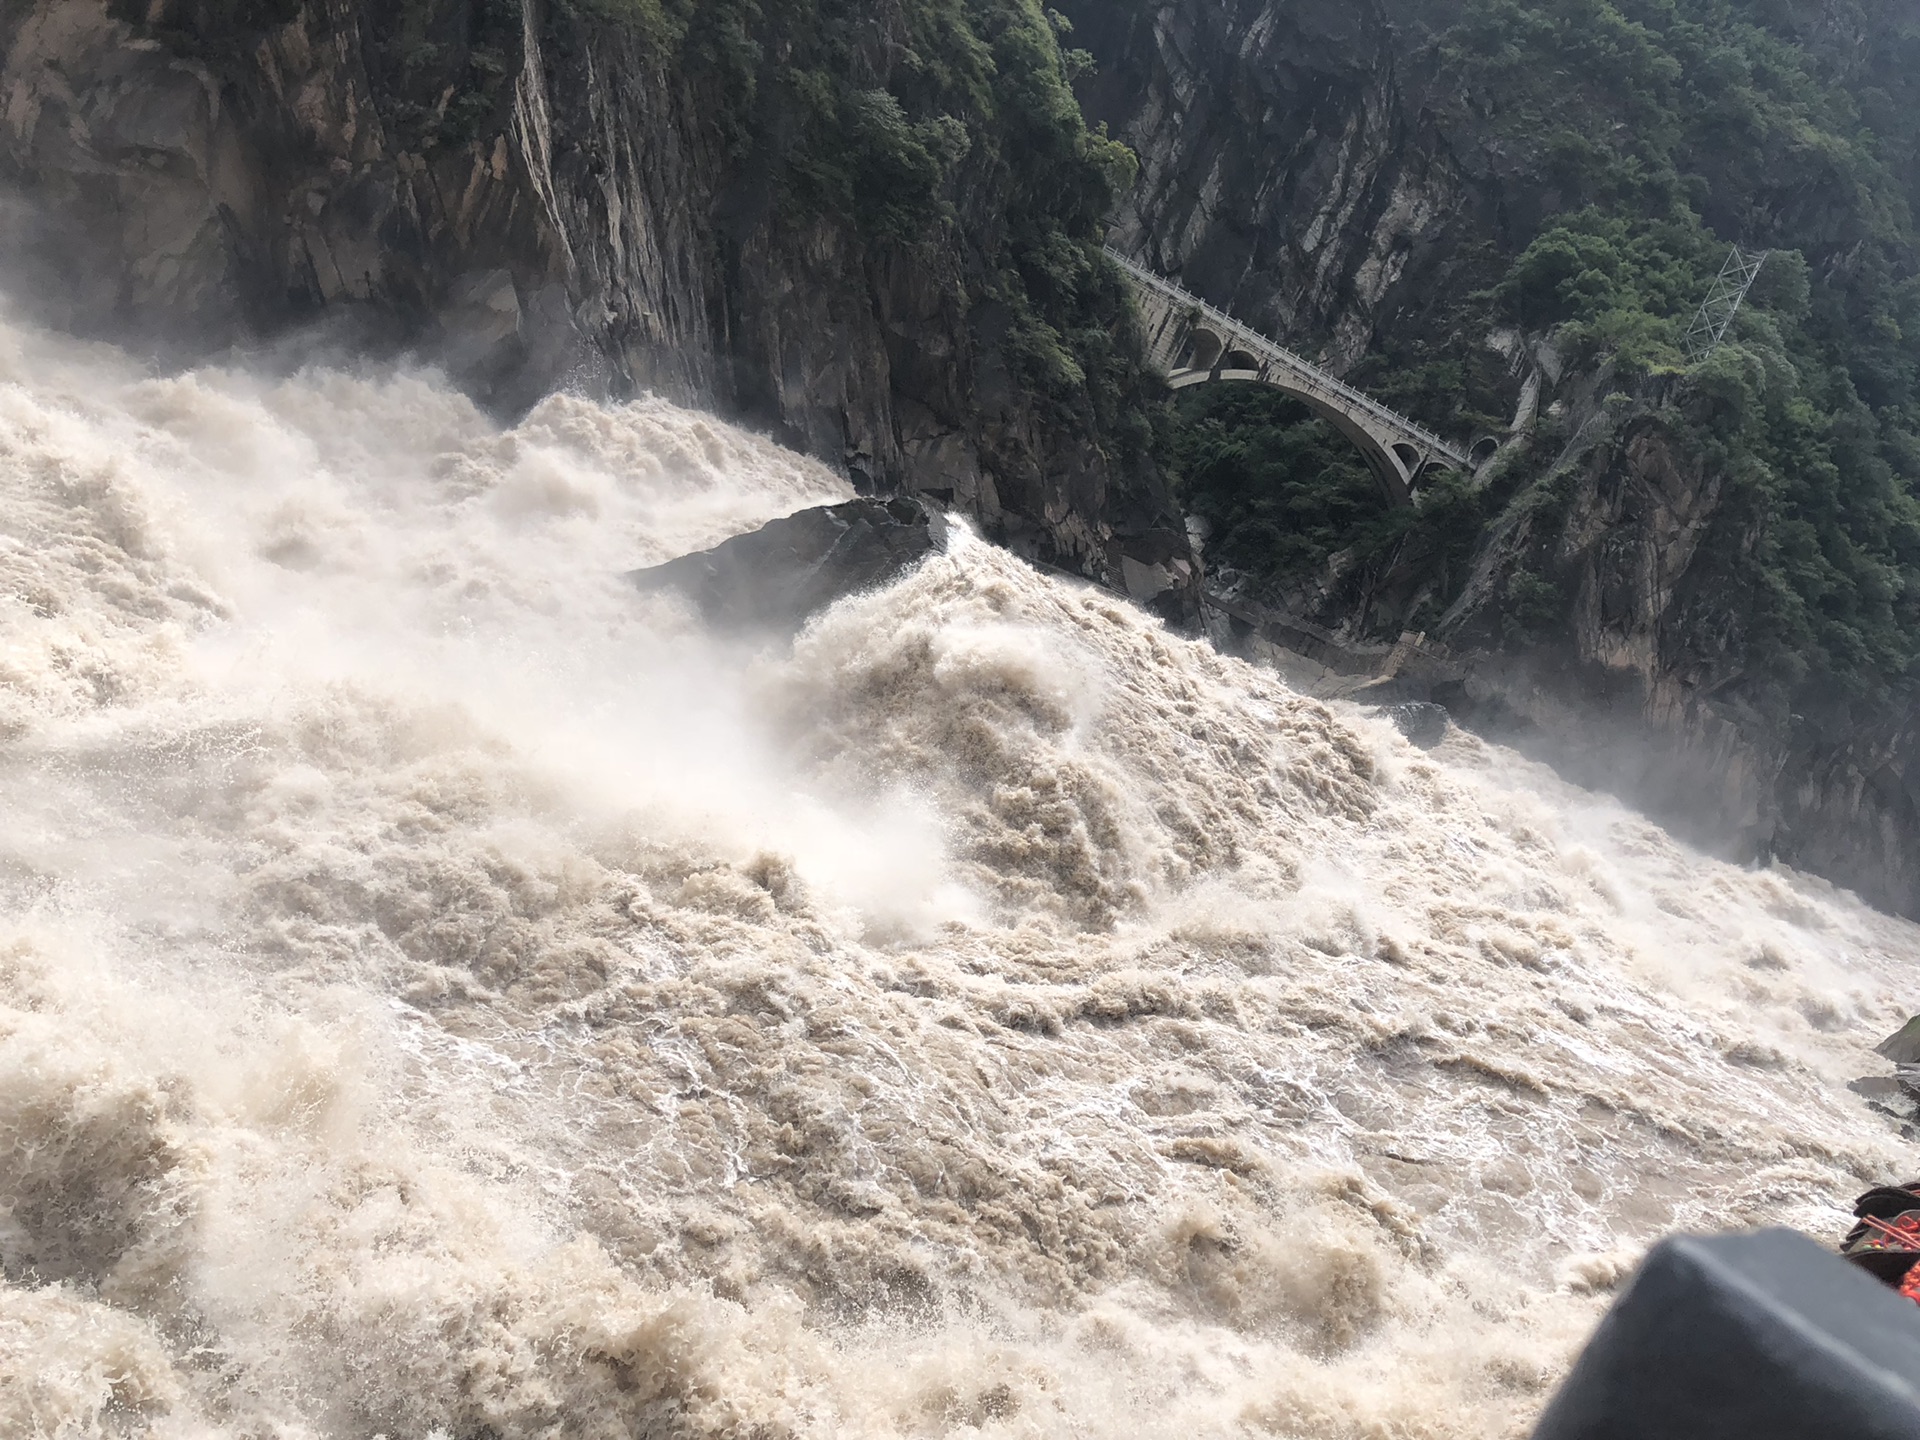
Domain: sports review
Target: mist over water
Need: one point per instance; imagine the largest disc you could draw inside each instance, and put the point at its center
(444, 992)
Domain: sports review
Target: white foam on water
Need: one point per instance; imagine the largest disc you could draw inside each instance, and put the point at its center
(444, 992)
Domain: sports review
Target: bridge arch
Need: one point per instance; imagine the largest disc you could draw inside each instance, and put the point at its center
(1204, 348)
(1397, 464)
(1196, 344)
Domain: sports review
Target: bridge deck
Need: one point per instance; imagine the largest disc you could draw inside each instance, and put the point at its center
(1240, 337)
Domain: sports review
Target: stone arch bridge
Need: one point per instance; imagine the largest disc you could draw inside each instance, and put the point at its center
(1194, 343)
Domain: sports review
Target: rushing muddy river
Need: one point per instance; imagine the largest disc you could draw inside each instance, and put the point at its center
(446, 993)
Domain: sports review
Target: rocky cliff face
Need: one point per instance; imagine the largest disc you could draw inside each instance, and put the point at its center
(1611, 676)
(1290, 163)
(531, 196)
(1635, 685)
(1308, 163)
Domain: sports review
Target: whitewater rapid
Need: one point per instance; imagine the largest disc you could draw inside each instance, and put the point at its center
(444, 993)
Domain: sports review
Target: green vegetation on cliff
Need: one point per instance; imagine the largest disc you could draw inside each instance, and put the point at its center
(875, 229)
(1700, 121)
(1290, 505)
(933, 123)
(928, 128)
(1624, 144)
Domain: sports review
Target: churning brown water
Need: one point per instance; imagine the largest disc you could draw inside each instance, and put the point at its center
(446, 994)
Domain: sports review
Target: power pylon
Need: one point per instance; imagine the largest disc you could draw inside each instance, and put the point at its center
(1723, 302)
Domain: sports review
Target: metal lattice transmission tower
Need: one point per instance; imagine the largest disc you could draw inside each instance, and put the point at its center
(1723, 302)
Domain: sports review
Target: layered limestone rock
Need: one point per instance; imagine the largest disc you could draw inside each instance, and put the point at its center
(200, 174)
(197, 180)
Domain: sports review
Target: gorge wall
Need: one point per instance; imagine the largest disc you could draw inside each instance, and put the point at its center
(1676, 586)
(826, 225)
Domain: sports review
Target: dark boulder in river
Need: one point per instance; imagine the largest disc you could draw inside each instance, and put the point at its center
(1423, 723)
(777, 576)
(1903, 1046)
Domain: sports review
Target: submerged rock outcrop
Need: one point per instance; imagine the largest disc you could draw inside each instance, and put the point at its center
(794, 567)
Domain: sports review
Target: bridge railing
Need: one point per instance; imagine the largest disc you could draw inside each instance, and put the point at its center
(1254, 340)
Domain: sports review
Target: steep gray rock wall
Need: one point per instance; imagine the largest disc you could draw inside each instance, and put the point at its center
(193, 195)
(1636, 687)
(1288, 165)
(201, 174)
(1301, 161)
(1852, 809)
